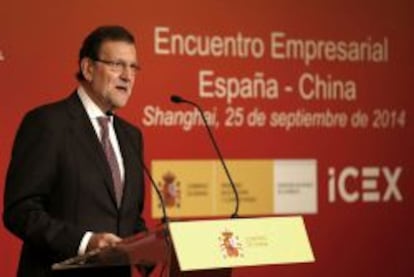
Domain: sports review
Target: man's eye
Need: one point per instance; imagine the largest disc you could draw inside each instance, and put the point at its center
(134, 67)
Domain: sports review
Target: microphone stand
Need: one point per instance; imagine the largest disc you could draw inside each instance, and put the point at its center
(177, 99)
(164, 220)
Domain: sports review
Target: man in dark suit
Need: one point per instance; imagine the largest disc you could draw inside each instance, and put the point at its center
(75, 182)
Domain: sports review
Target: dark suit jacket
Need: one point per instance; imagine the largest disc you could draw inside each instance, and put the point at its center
(59, 185)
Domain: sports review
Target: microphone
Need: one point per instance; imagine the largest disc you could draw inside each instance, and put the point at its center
(177, 100)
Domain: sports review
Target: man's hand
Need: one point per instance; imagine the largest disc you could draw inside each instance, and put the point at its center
(100, 240)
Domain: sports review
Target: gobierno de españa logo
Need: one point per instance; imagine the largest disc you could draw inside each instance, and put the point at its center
(170, 190)
(230, 245)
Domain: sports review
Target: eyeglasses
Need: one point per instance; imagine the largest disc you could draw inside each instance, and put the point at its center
(120, 66)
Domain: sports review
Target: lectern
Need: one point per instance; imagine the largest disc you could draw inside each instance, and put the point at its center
(206, 247)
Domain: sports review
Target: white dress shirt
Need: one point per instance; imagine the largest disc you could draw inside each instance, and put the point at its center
(94, 112)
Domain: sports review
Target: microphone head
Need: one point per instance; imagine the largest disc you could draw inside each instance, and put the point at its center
(176, 99)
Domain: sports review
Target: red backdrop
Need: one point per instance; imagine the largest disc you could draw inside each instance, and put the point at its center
(39, 42)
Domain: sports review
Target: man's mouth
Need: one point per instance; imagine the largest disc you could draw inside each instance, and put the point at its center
(122, 88)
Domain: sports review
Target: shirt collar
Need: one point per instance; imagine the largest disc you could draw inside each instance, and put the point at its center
(91, 108)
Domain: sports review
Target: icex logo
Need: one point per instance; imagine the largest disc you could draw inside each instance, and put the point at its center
(353, 184)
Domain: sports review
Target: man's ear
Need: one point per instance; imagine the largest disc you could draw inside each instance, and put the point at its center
(87, 67)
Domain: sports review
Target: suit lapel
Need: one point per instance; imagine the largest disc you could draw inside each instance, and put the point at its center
(86, 135)
(129, 158)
